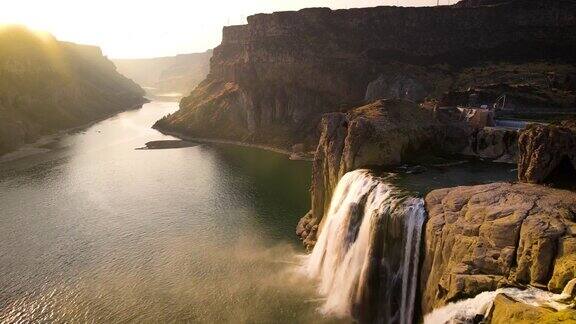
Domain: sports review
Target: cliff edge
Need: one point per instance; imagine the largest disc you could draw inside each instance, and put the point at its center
(484, 237)
(271, 80)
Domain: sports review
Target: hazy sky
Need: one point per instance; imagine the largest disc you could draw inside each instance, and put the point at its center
(150, 28)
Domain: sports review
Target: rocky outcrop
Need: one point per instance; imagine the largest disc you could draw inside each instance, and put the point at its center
(400, 86)
(271, 80)
(548, 154)
(483, 237)
(383, 133)
(497, 144)
(175, 75)
(47, 85)
(507, 310)
(473, 132)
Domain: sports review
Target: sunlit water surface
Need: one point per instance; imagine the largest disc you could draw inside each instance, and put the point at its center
(93, 230)
(96, 231)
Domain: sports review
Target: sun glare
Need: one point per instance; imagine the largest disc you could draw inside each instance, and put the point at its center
(132, 28)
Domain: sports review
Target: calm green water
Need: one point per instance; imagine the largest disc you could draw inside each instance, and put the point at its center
(93, 230)
(468, 173)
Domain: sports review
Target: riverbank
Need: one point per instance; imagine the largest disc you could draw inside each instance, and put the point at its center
(222, 141)
(45, 142)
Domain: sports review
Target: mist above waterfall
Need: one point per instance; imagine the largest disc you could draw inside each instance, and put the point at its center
(366, 257)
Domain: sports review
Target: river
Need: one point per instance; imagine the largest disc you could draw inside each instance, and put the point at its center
(93, 230)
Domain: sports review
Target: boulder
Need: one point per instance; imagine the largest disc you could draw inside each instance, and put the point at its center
(507, 310)
(547, 154)
(483, 237)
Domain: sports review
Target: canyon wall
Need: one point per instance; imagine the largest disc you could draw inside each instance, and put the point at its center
(173, 75)
(47, 85)
(383, 133)
(271, 80)
(317, 76)
(484, 237)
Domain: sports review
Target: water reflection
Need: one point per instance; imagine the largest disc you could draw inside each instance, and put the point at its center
(95, 230)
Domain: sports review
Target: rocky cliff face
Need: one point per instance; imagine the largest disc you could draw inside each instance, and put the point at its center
(383, 133)
(272, 79)
(167, 75)
(484, 237)
(47, 85)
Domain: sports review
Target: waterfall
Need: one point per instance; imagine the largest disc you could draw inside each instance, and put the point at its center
(366, 257)
(469, 310)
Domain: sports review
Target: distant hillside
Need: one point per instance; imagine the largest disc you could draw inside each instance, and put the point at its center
(47, 85)
(164, 75)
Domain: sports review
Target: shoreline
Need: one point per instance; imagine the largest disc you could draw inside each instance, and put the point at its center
(103, 118)
(223, 141)
(37, 146)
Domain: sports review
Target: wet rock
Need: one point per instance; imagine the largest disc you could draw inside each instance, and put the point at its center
(547, 154)
(483, 237)
(507, 310)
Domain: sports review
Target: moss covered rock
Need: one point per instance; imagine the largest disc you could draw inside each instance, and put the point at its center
(508, 311)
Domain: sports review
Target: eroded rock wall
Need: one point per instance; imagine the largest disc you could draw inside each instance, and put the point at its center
(383, 133)
(483, 237)
(289, 68)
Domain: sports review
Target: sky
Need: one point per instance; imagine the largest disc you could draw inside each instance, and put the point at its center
(153, 28)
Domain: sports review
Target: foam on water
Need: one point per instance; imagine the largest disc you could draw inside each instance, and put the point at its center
(465, 311)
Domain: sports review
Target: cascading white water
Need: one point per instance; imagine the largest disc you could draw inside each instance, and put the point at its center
(466, 311)
(366, 257)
